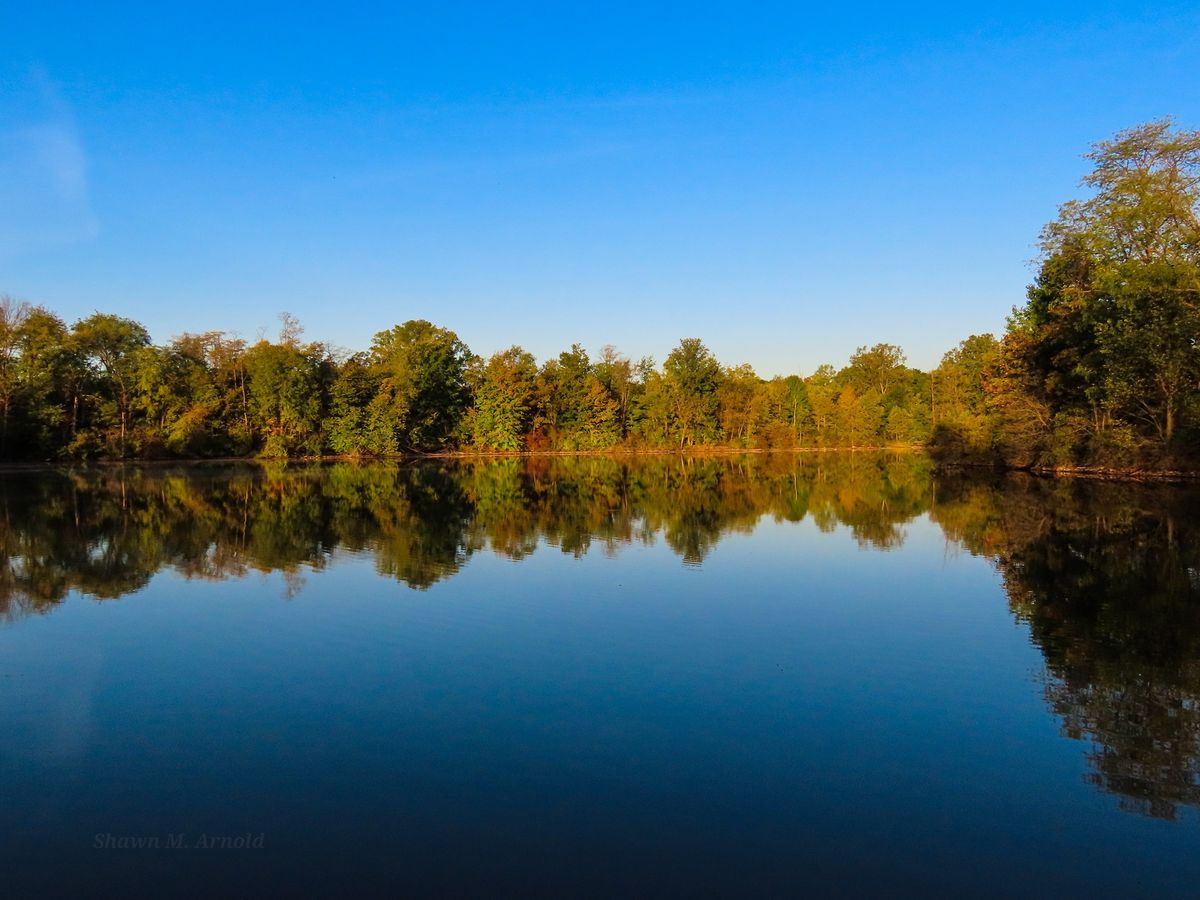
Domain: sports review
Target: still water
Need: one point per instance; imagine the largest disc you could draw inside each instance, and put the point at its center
(842, 674)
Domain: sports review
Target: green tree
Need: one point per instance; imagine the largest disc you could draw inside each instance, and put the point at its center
(504, 401)
(51, 375)
(600, 425)
(856, 419)
(692, 376)
(423, 391)
(1108, 337)
(348, 425)
(1149, 342)
(876, 370)
(620, 378)
(740, 407)
(562, 391)
(822, 394)
(285, 398)
(961, 411)
(111, 345)
(13, 316)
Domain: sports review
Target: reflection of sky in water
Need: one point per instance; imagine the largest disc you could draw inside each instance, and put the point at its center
(56, 707)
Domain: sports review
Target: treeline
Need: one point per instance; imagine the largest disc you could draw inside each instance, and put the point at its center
(101, 389)
(1100, 367)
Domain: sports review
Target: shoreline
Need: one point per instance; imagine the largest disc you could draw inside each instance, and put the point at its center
(1091, 473)
(22, 466)
(1095, 473)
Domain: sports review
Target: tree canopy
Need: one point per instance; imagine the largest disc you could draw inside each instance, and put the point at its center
(101, 389)
(1101, 365)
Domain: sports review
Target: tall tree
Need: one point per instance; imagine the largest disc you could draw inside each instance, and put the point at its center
(423, 390)
(504, 401)
(285, 398)
(1110, 327)
(13, 315)
(619, 376)
(693, 376)
(738, 412)
(348, 427)
(111, 344)
(856, 419)
(821, 391)
(962, 417)
(876, 369)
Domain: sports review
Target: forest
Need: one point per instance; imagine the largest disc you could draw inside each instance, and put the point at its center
(1099, 367)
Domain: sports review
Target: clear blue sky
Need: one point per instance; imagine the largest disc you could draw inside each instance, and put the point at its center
(786, 181)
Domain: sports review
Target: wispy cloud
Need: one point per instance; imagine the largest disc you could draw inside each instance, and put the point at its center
(44, 200)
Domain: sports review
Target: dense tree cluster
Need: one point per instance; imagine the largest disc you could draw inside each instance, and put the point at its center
(101, 389)
(1102, 364)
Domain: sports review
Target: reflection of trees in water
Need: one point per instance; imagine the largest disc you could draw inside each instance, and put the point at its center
(106, 532)
(1107, 577)
(874, 497)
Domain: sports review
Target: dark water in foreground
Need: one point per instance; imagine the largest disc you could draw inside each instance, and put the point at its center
(759, 675)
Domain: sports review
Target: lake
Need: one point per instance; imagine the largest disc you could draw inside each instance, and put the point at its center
(730, 675)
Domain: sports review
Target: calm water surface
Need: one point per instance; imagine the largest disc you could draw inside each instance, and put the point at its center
(761, 675)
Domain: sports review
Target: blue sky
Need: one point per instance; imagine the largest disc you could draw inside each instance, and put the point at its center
(786, 183)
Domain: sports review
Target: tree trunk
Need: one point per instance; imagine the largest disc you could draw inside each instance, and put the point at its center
(245, 403)
(124, 420)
